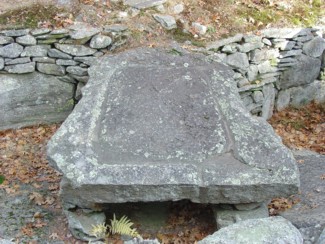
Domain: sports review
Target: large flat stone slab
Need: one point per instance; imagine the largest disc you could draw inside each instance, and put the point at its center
(33, 98)
(153, 126)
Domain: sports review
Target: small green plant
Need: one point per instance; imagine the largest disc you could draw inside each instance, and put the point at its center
(99, 231)
(122, 227)
(2, 179)
(118, 226)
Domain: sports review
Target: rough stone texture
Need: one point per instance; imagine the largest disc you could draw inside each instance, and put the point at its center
(32, 99)
(283, 99)
(226, 217)
(285, 32)
(21, 68)
(216, 45)
(238, 61)
(247, 206)
(304, 72)
(66, 62)
(83, 32)
(50, 69)
(15, 33)
(35, 51)
(75, 50)
(309, 214)
(6, 40)
(17, 61)
(315, 47)
(2, 63)
(321, 239)
(12, 50)
(268, 103)
(55, 53)
(44, 60)
(27, 40)
(300, 96)
(167, 21)
(75, 70)
(80, 225)
(100, 41)
(172, 139)
(256, 231)
(141, 4)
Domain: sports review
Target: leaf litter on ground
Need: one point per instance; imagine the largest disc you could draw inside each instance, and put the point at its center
(23, 161)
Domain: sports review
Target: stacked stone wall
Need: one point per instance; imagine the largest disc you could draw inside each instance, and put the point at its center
(274, 69)
(277, 68)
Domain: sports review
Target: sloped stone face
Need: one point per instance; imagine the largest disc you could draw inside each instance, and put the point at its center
(33, 99)
(152, 126)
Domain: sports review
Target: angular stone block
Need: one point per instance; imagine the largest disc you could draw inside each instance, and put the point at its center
(33, 99)
(304, 72)
(152, 126)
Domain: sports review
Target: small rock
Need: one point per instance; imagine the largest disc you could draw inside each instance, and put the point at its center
(283, 99)
(267, 42)
(142, 4)
(100, 41)
(17, 61)
(21, 68)
(15, 33)
(35, 51)
(75, 70)
(2, 63)
(266, 67)
(217, 44)
(12, 50)
(178, 8)
(122, 15)
(66, 62)
(59, 31)
(257, 56)
(199, 28)
(82, 30)
(231, 48)
(86, 60)
(44, 60)
(41, 31)
(75, 50)
(167, 21)
(27, 40)
(6, 40)
(51, 69)
(161, 9)
(55, 53)
(238, 61)
(80, 225)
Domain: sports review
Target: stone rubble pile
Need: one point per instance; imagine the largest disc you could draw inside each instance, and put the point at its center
(279, 67)
(65, 53)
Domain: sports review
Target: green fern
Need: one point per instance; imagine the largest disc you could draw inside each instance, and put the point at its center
(122, 227)
(99, 231)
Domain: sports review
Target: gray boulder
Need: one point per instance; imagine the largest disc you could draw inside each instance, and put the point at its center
(27, 40)
(256, 231)
(75, 50)
(304, 72)
(33, 99)
(174, 129)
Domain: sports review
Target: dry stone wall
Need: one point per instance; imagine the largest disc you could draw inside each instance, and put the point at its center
(278, 68)
(275, 69)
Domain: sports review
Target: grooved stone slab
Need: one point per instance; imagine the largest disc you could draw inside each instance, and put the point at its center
(152, 126)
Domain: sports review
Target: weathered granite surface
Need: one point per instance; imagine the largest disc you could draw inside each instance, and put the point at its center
(153, 126)
(256, 231)
(33, 97)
